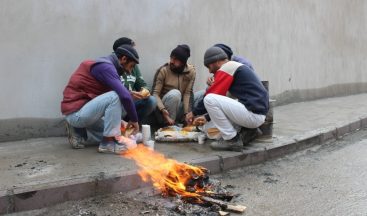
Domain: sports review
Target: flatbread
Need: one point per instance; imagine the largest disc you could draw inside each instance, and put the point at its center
(189, 128)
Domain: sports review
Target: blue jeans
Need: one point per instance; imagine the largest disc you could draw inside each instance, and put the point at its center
(198, 96)
(145, 107)
(100, 117)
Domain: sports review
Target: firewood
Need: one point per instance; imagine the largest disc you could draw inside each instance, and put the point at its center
(223, 213)
(225, 205)
(221, 196)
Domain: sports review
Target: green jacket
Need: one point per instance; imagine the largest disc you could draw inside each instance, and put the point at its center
(133, 81)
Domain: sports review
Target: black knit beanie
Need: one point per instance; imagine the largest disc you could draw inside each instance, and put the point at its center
(181, 52)
(122, 41)
(128, 51)
(226, 49)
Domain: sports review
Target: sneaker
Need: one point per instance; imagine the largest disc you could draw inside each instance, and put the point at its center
(233, 144)
(111, 147)
(249, 134)
(76, 136)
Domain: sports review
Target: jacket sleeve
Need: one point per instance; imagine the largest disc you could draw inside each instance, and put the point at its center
(157, 87)
(222, 83)
(139, 82)
(189, 92)
(107, 74)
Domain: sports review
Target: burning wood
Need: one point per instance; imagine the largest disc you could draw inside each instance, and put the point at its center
(172, 178)
(225, 205)
(220, 196)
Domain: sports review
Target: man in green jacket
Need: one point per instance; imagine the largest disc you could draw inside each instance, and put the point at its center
(145, 103)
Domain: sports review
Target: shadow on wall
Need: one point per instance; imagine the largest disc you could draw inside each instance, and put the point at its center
(26, 128)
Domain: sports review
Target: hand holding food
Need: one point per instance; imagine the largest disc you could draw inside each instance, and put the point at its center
(136, 95)
(199, 121)
(189, 118)
(144, 92)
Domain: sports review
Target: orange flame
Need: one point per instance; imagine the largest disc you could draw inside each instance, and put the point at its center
(167, 175)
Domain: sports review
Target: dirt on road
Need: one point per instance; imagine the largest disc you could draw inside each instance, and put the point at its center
(324, 180)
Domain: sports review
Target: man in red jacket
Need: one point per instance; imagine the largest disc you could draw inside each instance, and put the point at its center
(94, 99)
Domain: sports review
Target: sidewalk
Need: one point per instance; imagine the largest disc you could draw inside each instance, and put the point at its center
(40, 172)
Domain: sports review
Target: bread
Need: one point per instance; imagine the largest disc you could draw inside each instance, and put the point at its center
(189, 128)
(212, 132)
(168, 129)
(144, 92)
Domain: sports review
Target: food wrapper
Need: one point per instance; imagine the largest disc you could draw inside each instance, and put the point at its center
(177, 134)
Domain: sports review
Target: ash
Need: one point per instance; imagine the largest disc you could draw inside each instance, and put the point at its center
(177, 205)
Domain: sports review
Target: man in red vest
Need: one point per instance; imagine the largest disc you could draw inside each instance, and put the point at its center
(95, 98)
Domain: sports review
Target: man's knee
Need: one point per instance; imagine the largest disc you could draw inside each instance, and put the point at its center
(174, 94)
(113, 96)
(151, 103)
(210, 100)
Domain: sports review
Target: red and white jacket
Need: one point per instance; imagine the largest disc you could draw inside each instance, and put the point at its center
(242, 83)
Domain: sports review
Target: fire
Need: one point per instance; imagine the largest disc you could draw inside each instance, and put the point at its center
(167, 175)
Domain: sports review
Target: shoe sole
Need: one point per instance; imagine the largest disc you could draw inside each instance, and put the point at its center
(110, 152)
(105, 151)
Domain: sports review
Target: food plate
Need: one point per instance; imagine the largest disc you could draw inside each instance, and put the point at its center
(177, 134)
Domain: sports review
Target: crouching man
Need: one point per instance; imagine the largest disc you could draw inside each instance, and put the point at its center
(95, 98)
(247, 108)
(172, 87)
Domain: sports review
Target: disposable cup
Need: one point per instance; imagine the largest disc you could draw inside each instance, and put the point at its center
(201, 139)
(150, 144)
(145, 129)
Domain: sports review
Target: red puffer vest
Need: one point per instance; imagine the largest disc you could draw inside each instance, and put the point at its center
(82, 88)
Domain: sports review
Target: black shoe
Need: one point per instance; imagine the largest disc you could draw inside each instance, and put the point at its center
(77, 136)
(233, 144)
(249, 134)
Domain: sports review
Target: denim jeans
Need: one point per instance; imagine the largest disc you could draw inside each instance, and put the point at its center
(145, 107)
(199, 95)
(100, 117)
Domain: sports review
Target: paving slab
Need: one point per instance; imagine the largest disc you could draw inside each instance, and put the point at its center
(32, 170)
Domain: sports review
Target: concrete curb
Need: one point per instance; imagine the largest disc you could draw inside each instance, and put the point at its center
(21, 199)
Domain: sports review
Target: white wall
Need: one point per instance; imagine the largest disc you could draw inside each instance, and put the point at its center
(305, 44)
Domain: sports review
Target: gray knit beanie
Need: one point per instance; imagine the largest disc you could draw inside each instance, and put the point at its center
(214, 54)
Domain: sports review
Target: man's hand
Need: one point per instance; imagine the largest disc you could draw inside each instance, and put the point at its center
(136, 95)
(166, 117)
(199, 121)
(189, 117)
(210, 81)
(134, 125)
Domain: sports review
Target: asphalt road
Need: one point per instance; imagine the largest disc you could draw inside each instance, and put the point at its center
(326, 180)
